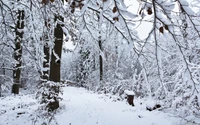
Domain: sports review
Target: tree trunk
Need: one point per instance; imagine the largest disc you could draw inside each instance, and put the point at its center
(46, 63)
(18, 51)
(56, 53)
(56, 62)
(100, 55)
(2, 79)
(100, 61)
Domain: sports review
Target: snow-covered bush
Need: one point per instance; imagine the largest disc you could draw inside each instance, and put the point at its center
(48, 95)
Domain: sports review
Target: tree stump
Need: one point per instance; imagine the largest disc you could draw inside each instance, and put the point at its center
(130, 97)
(15, 88)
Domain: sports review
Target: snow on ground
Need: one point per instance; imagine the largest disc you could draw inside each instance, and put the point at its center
(82, 107)
(16, 110)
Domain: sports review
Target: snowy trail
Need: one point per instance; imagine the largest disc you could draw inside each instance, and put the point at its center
(87, 108)
(82, 107)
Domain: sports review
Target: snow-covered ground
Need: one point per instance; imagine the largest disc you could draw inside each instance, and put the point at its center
(82, 107)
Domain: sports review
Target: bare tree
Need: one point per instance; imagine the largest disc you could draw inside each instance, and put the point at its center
(18, 50)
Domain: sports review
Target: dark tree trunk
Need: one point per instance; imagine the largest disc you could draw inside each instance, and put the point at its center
(15, 88)
(18, 51)
(56, 53)
(56, 62)
(46, 63)
(100, 61)
(100, 55)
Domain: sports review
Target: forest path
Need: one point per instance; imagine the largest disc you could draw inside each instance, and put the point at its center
(81, 107)
(84, 107)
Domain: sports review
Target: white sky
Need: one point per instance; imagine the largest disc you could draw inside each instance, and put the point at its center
(144, 28)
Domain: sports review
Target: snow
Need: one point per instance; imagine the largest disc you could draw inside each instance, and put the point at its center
(82, 107)
(184, 2)
(56, 55)
(12, 106)
(84, 8)
(129, 92)
(188, 10)
(163, 18)
(10, 36)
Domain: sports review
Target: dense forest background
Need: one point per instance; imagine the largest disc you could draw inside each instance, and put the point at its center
(108, 55)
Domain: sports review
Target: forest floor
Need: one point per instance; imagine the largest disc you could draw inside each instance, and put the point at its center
(82, 107)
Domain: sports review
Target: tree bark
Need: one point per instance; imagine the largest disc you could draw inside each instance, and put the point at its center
(18, 51)
(100, 61)
(2, 79)
(46, 62)
(56, 62)
(100, 55)
(56, 52)
(46, 51)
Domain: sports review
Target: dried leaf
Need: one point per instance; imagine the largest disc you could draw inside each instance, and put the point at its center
(72, 11)
(80, 5)
(161, 29)
(114, 9)
(45, 1)
(149, 11)
(72, 6)
(73, 3)
(104, 0)
(115, 18)
(52, 1)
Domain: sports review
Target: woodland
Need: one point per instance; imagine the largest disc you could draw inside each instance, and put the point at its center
(109, 56)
